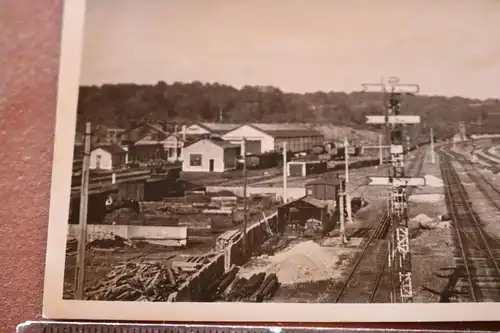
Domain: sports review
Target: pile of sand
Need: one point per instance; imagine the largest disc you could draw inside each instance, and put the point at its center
(433, 181)
(423, 221)
(426, 198)
(302, 262)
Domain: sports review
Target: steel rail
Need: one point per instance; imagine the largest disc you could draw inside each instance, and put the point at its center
(379, 233)
(453, 212)
(477, 236)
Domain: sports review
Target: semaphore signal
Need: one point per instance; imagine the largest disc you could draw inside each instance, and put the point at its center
(399, 245)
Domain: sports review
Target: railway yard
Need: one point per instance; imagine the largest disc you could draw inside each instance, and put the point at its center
(454, 239)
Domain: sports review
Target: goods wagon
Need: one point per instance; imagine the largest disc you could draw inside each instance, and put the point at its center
(318, 149)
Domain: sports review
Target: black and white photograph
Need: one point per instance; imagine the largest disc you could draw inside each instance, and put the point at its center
(280, 160)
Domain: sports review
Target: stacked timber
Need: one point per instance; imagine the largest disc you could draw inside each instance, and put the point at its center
(257, 288)
(71, 246)
(138, 281)
(193, 263)
(196, 196)
(216, 289)
(229, 201)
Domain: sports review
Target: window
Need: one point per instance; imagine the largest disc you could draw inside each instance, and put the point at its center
(170, 152)
(195, 159)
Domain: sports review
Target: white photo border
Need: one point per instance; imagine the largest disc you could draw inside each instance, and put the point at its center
(55, 307)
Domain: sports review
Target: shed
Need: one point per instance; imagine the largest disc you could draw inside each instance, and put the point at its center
(324, 189)
(295, 215)
(107, 157)
(210, 155)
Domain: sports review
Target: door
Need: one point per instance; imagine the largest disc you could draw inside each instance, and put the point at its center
(98, 162)
(211, 164)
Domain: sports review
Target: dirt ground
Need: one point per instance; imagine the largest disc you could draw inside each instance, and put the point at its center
(487, 212)
(431, 248)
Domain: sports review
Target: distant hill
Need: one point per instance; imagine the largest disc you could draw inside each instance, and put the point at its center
(123, 105)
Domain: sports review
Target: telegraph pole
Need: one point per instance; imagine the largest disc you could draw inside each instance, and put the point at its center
(399, 254)
(285, 174)
(341, 213)
(245, 208)
(432, 146)
(380, 152)
(84, 194)
(347, 195)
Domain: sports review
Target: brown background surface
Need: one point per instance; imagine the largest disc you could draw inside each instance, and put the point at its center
(29, 49)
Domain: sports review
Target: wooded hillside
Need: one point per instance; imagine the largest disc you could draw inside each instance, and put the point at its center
(122, 105)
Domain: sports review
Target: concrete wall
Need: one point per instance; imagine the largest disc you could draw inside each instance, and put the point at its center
(171, 236)
(293, 192)
(193, 288)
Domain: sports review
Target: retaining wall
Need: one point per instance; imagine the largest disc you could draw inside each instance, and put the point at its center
(193, 289)
(292, 192)
(170, 236)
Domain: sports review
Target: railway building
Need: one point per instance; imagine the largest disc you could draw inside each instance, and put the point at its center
(306, 214)
(210, 155)
(209, 129)
(262, 138)
(108, 157)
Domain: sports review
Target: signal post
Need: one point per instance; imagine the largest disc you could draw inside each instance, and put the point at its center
(399, 244)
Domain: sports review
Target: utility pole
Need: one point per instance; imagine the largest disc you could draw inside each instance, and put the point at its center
(341, 213)
(380, 152)
(432, 146)
(347, 195)
(245, 208)
(285, 174)
(84, 194)
(399, 254)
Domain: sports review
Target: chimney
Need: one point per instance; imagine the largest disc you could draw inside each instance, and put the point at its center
(184, 133)
(175, 129)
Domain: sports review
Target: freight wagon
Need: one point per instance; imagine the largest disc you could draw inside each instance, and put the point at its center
(262, 161)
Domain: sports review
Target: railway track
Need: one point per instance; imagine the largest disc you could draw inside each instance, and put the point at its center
(360, 285)
(477, 253)
(486, 187)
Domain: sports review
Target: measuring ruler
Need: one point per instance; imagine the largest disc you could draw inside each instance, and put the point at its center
(87, 327)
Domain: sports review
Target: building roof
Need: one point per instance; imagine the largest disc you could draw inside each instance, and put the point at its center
(286, 130)
(219, 128)
(309, 200)
(138, 132)
(112, 149)
(332, 182)
(219, 142)
(313, 201)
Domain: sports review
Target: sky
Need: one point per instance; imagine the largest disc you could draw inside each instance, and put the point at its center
(448, 47)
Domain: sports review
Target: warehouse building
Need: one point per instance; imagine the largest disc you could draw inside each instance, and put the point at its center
(210, 129)
(210, 155)
(263, 138)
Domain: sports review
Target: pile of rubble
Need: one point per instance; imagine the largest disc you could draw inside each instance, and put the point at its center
(138, 281)
(146, 280)
(230, 288)
(258, 288)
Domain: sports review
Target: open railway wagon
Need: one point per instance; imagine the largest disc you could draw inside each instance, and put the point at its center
(264, 160)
